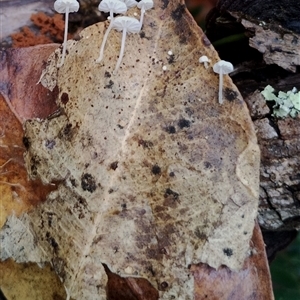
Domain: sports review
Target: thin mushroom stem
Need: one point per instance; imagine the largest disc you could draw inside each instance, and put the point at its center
(221, 87)
(65, 38)
(142, 17)
(101, 54)
(121, 51)
(111, 15)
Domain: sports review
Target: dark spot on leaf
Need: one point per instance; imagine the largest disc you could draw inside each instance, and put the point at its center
(207, 165)
(82, 202)
(124, 206)
(150, 269)
(145, 144)
(171, 59)
(171, 174)
(88, 182)
(170, 129)
(64, 98)
(107, 74)
(109, 85)
(156, 170)
(73, 182)
(178, 12)
(50, 218)
(199, 234)
(50, 144)
(184, 123)
(142, 34)
(230, 95)
(67, 129)
(171, 194)
(114, 165)
(189, 111)
(34, 164)
(164, 285)
(52, 242)
(165, 4)
(26, 142)
(97, 239)
(228, 252)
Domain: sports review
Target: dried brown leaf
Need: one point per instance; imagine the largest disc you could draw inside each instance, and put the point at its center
(253, 281)
(20, 72)
(18, 193)
(156, 174)
(30, 282)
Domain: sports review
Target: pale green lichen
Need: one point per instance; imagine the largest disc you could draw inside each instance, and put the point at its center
(286, 103)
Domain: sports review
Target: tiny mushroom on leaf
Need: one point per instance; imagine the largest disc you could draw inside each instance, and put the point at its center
(125, 24)
(111, 6)
(144, 5)
(204, 59)
(65, 7)
(222, 67)
(130, 3)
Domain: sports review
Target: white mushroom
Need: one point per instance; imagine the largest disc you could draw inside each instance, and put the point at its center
(125, 24)
(130, 3)
(144, 5)
(111, 6)
(222, 67)
(65, 7)
(204, 59)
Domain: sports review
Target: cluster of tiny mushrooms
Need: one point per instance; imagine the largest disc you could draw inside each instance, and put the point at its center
(128, 25)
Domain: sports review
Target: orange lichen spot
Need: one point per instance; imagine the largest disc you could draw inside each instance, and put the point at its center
(50, 25)
(49, 29)
(26, 38)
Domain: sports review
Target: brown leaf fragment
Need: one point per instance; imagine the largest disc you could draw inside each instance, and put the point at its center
(18, 193)
(20, 71)
(30, 282)
(130, 288)
(253, 282)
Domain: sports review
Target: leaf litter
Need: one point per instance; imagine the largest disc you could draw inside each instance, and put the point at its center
(155, 175)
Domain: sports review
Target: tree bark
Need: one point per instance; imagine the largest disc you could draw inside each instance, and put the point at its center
(266, 26)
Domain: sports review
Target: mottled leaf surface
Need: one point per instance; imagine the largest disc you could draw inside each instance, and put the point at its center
(156, 175)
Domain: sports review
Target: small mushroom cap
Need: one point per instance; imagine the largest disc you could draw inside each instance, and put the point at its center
(61, 5)
(203, 58)
(132, 25)
(145, 4)
(222, 66)
(129, 3)
(116, 6)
